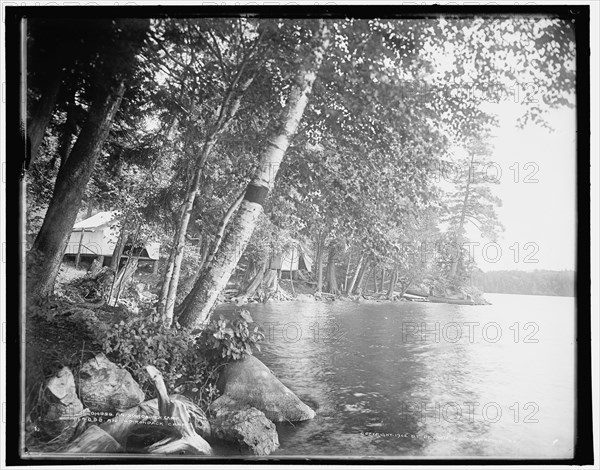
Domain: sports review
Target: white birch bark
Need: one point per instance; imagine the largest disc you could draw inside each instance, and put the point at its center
(205, 293)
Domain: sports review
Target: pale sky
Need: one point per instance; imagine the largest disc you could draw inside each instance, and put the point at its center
(541, 213)
(539, 203)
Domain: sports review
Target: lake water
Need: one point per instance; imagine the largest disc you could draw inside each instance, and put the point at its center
(419, 379)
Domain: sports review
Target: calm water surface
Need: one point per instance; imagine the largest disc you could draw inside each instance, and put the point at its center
(419, 379)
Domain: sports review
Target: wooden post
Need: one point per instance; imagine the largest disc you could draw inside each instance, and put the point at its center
(345, 285)
(78, 257)
(292, 271)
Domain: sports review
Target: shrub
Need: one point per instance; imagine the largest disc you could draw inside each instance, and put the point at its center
(231, 339)
(189, 363)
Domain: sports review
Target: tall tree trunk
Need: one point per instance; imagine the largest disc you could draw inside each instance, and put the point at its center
(179, 308)
(250, 290)
(179, 249)
(172, 291)
(187, 285)
(358, 273)
(332, 286)
(249, 274)
(345, 285)
(115, 260)
(38, 122)
(217, 274)
(374, 280)
(227, 111)
(355, 277)
(66, 137)
(365, 279)
(164, 291)
(122, 276)
(393, 280)
(319, 263)
(48, 248)
(223, 226)
(461, 224)
(271, 283)
(67, 130)
(122, 279)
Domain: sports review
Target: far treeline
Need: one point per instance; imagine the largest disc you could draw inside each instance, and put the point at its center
(538, 282)
(230, 141)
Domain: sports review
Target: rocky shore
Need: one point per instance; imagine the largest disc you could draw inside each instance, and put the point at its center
(102, 409)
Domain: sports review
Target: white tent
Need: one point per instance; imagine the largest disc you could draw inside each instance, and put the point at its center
(100, 234)
(296, 258)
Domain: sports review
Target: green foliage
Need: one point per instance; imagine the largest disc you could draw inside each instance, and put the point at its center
(189, 363)
(141, 340)
(231, 340)
(393, 96)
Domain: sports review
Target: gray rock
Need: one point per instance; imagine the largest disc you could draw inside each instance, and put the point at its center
(198, 419)
(249, 382)
(304, 298)
(106, 387)
(146, 414)
(247, 427)
(62, 406)
(93, 441)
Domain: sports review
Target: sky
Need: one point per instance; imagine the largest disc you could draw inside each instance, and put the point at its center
(537, 184)
(539, 202)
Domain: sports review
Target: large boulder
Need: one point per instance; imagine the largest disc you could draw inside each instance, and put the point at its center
(247, 427)
(62, 408)
(249, 382)
(103, 386)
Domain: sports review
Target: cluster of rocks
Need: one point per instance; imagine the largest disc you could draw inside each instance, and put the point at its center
(103, 410)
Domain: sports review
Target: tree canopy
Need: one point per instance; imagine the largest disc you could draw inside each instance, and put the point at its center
(363, 113)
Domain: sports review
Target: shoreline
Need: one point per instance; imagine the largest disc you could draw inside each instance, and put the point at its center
(366, 299)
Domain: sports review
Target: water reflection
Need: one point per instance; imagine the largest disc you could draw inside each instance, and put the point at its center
(411, 379)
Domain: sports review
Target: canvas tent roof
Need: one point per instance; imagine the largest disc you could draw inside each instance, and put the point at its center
(153, 250)
(98, 236)
(291, 258)
(96, 221)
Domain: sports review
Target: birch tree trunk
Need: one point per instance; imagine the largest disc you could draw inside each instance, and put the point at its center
(228, 109)
(345, 284)
(393, 280)
(164, 291)
(356, 273)
(214, 279)
(364, 280)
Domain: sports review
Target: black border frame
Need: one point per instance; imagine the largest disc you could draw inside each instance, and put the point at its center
(15, 206)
